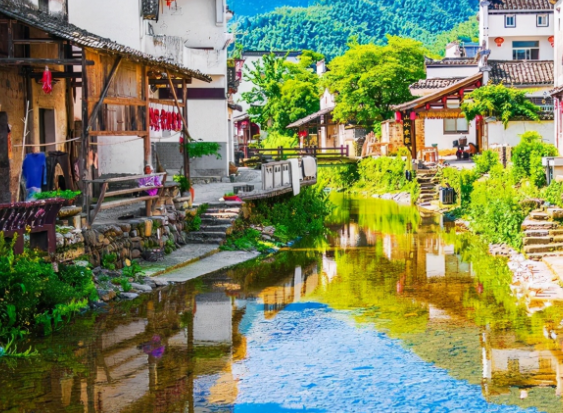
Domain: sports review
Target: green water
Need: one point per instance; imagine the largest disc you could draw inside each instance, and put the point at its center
(389, 312)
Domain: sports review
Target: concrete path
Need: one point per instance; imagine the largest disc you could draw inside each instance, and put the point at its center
(179, 258)
(209, 193)
(219, 261)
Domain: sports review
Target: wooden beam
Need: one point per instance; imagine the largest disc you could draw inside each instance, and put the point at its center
(105, 90)
(124, 101)
(83, 164)
(147, 140)
(58, 75)
(44, 62)
(37, 41)
(186, 152)
(164, 82)
(169, 102)
(118, 133)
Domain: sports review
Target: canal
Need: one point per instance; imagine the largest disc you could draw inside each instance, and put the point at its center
(390, 311)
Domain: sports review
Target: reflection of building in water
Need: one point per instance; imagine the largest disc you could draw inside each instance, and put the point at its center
(508, 364)
(291, 290)
(212, 319)
(352, 235)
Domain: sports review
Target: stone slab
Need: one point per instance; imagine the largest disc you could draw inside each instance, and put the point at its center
(178, 258)
(219, 261)
(555, 265)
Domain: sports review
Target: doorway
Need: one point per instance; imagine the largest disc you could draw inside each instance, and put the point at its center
(47, 131)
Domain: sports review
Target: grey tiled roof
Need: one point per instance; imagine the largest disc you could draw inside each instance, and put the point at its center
(64, 30)
(522, 72)
(437, 83)
(520, 5)
(452, 61)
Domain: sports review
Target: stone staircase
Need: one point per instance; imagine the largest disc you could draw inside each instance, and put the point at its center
(543, 235)
(428, 186)
(216, 224)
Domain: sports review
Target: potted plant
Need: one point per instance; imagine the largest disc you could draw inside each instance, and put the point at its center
(67, 195)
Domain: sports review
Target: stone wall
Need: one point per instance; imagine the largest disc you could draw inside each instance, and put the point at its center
(133, 238)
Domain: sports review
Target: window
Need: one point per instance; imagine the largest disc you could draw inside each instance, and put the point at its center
(525, 50)
(452, 126)
(510, 20)
(542, 20)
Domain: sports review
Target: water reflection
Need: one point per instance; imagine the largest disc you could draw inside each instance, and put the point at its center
(389, 313)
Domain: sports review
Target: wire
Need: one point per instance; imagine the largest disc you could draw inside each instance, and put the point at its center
(48, 144)
(115, 143)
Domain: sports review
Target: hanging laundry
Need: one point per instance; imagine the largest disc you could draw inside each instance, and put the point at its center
(163, 119)
(34, 170)
(170, 121)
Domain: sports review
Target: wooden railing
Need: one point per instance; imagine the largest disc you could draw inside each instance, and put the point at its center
(104, 193)
(281, 152)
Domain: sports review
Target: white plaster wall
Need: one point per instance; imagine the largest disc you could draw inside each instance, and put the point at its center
(118, 20)
(434, 133)
(433, 72)
(327, 100)
(125, 158)
(195, 21)
(504, 52)
(511, 135)
(211, 62)
(558, 72)
(525, 26)
(207, 120)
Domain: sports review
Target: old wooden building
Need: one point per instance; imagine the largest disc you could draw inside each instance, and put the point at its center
(94, 112)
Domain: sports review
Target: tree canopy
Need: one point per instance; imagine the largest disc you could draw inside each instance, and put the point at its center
(283, 91)
(503, 103)
(368, 79)
(327, 25)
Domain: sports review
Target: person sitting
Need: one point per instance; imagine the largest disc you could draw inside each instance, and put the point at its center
(151, 180)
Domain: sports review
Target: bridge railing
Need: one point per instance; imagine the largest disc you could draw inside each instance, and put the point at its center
(278, 175)
(281, 152)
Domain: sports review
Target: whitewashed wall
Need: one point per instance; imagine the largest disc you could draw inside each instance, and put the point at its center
(118, 20)
(525, 25)
(434, 133)
(449, 71)
(511, 135)
(125, 158)
(504, 52)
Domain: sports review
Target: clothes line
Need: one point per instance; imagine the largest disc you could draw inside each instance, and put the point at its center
(115, 143)
(31, 145)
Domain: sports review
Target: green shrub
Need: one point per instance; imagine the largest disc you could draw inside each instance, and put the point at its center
(495, 211)
(461, 181)
(554, 193)
(57, 194)
(109, 261)
(485, 161)
(183, 182)
(385, 175)
(32, 294)
(527, 158)
(339, 176)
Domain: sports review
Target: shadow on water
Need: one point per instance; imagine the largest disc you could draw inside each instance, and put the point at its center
(391, 311)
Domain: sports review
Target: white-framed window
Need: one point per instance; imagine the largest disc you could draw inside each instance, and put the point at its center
(453, 126)
(525, 50)
(542, 20)
(510, 20)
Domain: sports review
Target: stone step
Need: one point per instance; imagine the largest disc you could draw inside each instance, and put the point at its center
(555, 213)
(223, 211)
(220, 215)
(530, 224)
(534, 249)
(215, 228)
(206, 235)
(541, 255)
(543, 233)
(207, 241)
(225, 204)
(543, 240)
(216, 221)
(539, 215)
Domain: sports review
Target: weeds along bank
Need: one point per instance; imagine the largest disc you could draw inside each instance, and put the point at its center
(269, 224)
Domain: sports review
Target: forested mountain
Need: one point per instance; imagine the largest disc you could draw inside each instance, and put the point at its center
(327, 25)
(253, 7)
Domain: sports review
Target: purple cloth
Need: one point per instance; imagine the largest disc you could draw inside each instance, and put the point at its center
(34, 170)
(150, 181)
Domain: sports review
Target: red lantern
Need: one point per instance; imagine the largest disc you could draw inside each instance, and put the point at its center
(47, 81)
(499, 41)
(478, 118)
(461, 92)
(398, 117)
(413, 116)
(478, 83)
(551, 40)
(428, 106)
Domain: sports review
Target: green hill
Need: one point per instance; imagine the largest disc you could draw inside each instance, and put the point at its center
(326, 25)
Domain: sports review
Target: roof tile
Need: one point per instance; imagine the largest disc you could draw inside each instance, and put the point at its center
(80, 37)
(436, 83)
(522, 72)
(521, 5)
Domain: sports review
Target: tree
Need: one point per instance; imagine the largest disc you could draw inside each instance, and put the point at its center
(368, 79)
(499, 101)
(527, 158)
(283, 91)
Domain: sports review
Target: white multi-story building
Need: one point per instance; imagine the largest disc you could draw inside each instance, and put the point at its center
(558, 76)
(519, 37)
(190, 33)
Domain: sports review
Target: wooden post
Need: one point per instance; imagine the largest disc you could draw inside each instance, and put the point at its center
(413, 140)
(5, 193)
(186, 149)
(147, 138)
(83, 164)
